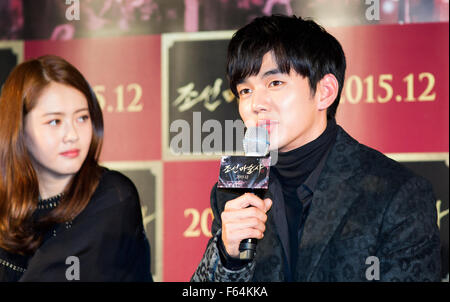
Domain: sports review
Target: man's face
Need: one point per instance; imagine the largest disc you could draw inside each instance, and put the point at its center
(283, 99)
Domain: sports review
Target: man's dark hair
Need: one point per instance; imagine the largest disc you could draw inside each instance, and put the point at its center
(296, 43)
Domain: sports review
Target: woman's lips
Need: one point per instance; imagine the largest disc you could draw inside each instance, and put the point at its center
(70, 153)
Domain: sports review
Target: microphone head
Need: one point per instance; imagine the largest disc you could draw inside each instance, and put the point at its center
(256, 141)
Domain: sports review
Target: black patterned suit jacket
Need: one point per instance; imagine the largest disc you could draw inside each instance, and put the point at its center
(365, 205)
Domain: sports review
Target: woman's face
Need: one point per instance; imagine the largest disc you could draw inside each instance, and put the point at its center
(58, 131)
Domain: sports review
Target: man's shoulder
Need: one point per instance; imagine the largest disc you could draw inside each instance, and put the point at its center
(369, 161)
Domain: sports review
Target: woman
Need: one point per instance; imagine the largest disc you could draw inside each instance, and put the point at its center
(62, 216)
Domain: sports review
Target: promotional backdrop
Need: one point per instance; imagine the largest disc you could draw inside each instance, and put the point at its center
(158, 70)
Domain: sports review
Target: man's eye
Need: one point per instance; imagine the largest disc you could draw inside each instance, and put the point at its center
(244, 91)
(275, 83)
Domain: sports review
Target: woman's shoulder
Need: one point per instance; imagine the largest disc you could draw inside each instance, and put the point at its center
(12, 266)
(116, 182)
(114, 190)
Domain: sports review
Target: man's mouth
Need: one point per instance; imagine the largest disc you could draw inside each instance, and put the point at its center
(269, 125)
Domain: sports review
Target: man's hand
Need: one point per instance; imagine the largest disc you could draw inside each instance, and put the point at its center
(242, 218)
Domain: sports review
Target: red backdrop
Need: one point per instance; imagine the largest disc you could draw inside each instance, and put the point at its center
(395, 100)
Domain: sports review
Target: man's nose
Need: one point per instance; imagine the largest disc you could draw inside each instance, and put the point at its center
(260, 101)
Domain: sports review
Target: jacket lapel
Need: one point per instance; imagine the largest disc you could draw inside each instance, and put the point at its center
(333, 195)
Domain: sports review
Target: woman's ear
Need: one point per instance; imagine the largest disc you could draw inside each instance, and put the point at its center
(327, 90)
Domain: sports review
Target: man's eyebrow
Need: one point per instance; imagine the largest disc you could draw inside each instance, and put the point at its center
(271, 72)
(266, 74)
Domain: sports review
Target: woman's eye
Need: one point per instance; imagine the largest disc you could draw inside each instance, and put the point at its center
(53, 122)
(83, 118)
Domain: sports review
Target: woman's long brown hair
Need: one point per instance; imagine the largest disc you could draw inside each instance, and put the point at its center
(19, 187)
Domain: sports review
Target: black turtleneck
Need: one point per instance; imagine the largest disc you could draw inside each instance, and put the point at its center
(293, 167)
(298, 171)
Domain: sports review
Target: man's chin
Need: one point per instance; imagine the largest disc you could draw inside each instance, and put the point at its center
(274, 145)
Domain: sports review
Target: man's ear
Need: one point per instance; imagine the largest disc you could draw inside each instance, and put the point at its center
(327, 90)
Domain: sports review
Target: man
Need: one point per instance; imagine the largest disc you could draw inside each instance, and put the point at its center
(335, 210)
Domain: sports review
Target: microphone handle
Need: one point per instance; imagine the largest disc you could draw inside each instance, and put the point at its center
(247, 247)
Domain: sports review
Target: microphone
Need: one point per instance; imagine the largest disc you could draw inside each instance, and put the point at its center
(256, 141)
(249, 173)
